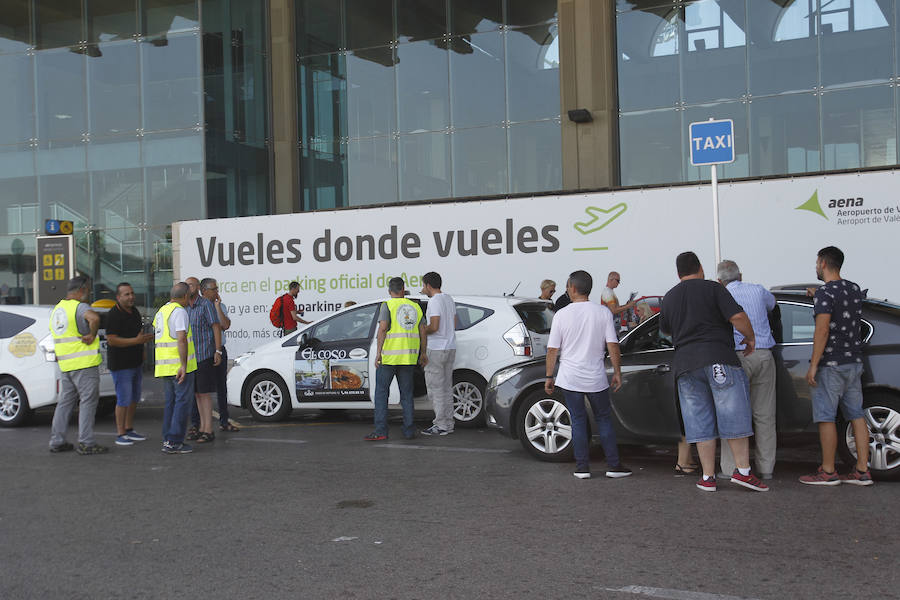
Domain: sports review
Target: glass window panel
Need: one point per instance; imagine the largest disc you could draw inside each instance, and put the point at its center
(323, 176)
(175, 193)
(15, 30)
(479, 162)
(648, 58)
(470, 16)
(424, 166)
(651, 147)
(737, 112)
(118, 198)
(421, 19)
(423, 94)
(16, 161)
(172, 77)
(477, 95)
(535, 157)
(17, 115)
(372, 171)
(532, 70)
(370, 92)
(58, 23)
(369, 23)
(322, 84)
(782, 47)
(853, 51)
(248, 24)
(241, 180)
(115, 91)
(784, 135)
(18, 203)
(172, 148)
(858, 128)
(65, 196)
(530, 12)
(318, 27)
(168, 16)
(714, 66)
(111, 20)
(249, 88)
(60, 95)
(121, 152)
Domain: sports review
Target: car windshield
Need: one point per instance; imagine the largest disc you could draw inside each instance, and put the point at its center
(645, 337)
(537, 316)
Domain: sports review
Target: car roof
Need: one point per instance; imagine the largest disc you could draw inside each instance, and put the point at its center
(872, 303)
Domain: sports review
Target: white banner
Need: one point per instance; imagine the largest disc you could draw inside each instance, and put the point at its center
(772, 229)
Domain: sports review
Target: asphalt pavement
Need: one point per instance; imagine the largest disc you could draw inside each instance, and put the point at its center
(307, 509)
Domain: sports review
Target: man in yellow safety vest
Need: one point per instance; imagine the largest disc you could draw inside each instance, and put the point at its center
(176, 364)
(401, 344)
(74, 327)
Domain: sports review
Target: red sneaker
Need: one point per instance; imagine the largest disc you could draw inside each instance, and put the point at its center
(707, 485)
(751, 481)
(854, 477)
(375, 437)
(820, 477)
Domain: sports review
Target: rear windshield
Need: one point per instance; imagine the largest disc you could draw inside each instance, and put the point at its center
(468, 315)
(537, 316)
(12, 324)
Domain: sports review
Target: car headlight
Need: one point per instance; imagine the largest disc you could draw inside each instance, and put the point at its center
(243, 357)
(501, 377)
(47, 347)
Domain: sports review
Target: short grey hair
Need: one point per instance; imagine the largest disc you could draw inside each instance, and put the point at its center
(179, 290)
(78, 282)
(728, 271)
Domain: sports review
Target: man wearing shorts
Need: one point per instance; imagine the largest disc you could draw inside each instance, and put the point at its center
(207, 336)
(835, 369)
(712, 387)
(125, 357)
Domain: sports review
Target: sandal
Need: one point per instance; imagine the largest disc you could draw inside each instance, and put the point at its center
(686, 469)
(228, 427)
(192, 434)
(204, 437)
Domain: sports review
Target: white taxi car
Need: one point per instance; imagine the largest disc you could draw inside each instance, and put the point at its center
(330, 364)
(29, 375)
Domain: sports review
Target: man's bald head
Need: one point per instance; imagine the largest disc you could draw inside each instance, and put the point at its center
(179, 292)
(194, 286)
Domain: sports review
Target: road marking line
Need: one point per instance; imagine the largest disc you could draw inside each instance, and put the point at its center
(443, 448)
(276, 425)
(267, 440)
(672, 594)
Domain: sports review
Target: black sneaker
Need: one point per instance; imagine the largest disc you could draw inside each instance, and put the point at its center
(94, 449)
(582, 472)
(64, 447)
(618, 471)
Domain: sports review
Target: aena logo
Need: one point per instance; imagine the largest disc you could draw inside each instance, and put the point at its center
(812, 205)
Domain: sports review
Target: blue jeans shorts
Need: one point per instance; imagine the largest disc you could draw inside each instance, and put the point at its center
(715, 403)
(837, 385)
(128, 385)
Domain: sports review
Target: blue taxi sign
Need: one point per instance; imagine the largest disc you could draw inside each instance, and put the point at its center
(712, 142)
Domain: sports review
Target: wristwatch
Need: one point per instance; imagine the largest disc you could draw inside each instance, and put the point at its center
(218, 352)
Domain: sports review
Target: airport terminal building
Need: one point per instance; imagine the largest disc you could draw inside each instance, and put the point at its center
(125, 116)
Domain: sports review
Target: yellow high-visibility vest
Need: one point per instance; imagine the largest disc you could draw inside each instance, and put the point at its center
(71, 353)
(401, 344)
(167, 359)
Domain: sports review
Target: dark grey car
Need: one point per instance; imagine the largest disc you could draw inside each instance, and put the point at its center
(644, 410)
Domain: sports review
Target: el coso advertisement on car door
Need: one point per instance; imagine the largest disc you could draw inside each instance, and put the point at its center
(772, 229)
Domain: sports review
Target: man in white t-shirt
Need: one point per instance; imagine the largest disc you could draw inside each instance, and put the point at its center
(440, 317)
(581, 334)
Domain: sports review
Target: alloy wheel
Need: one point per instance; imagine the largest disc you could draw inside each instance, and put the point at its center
(548, 426)
(266, 398)
(468, 401)
(10, 402)
(884, 438)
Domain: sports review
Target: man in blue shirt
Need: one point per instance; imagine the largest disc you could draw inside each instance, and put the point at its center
(207, 334)
(757, 302)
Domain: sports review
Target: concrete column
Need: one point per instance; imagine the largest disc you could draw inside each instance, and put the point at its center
(284, 106)
(590, 151)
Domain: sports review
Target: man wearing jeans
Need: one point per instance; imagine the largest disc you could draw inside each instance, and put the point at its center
(441, 331)
(401, 344)
(176, 364)
(759, 367)
(581, 334)
(712, 386)
(835, 369)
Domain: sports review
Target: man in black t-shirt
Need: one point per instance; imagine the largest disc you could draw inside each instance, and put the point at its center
(712, 388)
(835, 369)
(125, 357)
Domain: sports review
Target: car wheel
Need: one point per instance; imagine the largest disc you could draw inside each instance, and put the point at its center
(545, 427)
(468, 400)
(268, 398)
(14, 409)
(882, 414)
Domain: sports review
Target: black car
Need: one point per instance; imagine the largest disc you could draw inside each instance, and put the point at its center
(644, 408)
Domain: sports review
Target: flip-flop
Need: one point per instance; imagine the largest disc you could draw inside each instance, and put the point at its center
(228, 427)
(686, 469)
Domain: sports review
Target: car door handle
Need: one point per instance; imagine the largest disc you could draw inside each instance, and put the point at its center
(662, 369)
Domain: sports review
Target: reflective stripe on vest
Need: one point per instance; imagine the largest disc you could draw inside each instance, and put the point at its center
(71, 353)
(167, 361)
(401, 343)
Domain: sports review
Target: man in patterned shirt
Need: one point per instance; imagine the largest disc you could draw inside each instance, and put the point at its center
(835, 369)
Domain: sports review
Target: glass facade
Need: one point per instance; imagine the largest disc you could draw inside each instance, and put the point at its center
(109, 114)
(810, 84)
(410, 100)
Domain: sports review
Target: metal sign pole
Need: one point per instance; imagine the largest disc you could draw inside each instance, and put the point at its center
(715, 195)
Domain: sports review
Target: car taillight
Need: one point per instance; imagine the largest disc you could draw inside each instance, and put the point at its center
(47, 348)
(518, 339)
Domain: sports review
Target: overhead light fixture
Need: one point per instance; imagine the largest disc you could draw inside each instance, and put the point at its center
(580, 115)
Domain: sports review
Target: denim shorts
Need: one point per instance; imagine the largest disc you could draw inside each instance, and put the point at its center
(837, 385)
(128, 385)
(715, 403)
